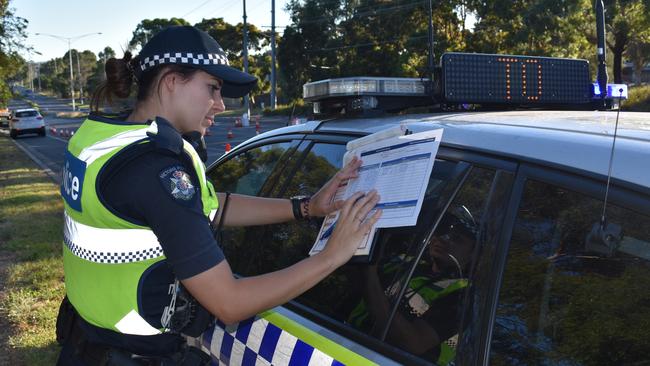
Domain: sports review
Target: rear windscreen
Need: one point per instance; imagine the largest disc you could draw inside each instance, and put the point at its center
(26, 114)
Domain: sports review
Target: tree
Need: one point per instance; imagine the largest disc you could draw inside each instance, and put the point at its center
(533, 27)
(12, 35)
(86, 67)
(305, 52)
(625, 19)
(365, 37)
(639, 54)
(149, 27)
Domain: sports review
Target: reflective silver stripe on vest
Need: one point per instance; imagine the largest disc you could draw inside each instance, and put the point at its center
(110, 245)
(101, 148)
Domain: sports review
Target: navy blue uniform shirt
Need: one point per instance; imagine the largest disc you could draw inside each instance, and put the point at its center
(161, 190)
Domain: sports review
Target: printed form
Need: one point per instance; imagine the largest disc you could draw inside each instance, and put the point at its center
(398, 166)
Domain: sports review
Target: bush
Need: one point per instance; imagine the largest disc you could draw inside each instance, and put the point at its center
(638, 99)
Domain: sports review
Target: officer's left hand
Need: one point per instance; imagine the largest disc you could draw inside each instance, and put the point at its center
(322, 203)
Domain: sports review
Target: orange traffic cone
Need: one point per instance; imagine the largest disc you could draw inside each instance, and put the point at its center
(227, 147)
(238, 122)
(257, 127)
(230, 135)
(54, 131)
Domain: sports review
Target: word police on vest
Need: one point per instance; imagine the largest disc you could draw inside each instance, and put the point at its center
(72, 181)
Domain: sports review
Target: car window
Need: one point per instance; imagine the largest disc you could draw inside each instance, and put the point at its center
(427, 320)
(566, 297)
(246, 173)
(282, 245)
(26, 114)
(251, 172)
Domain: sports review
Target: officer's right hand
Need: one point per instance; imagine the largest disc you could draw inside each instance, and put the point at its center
(351, 226)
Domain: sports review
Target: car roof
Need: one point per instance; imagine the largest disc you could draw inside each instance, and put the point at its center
(26, 110)
(580, 140)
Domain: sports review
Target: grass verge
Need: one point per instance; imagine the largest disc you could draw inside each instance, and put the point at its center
(30, 234)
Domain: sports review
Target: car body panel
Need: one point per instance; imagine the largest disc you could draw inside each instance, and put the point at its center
(281, 337)
(576, 139)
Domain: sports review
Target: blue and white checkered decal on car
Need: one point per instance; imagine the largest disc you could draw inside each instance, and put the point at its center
(256, 341)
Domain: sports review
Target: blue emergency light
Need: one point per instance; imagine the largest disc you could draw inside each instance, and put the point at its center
(614, 91)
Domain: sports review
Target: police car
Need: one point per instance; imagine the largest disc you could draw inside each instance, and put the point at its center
(532, 245)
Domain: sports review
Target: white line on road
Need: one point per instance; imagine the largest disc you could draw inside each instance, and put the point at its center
(57, 138)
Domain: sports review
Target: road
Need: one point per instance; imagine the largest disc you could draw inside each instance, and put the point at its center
(49, 150)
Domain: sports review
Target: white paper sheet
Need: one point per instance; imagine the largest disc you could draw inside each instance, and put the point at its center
(398, 167)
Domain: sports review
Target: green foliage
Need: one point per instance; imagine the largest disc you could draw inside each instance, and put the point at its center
(229, 37)
(12, 35)
(149, 27)
(296, 108)
(627, 23)
(639, 99)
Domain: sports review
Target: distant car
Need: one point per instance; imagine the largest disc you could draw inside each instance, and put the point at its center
(5, 114)
(26, 121)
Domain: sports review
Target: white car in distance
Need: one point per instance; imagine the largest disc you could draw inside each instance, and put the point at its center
(26, 121)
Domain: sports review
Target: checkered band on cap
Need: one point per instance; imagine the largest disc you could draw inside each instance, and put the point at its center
(113, 257)
(184, 58)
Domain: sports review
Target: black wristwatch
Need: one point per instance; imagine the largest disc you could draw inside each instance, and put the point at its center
(296, 205)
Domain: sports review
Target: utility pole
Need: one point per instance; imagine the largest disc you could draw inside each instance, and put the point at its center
(273, 76)
(81, 88)
(38, 70)
(30, 75)
(69, 40)
(247, 108)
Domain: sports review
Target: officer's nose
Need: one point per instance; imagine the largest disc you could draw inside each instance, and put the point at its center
(218, 105)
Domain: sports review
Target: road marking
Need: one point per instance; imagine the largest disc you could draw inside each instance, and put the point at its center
(38, 161)
(57, 138)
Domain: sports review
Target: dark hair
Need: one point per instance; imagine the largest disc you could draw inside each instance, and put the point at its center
(121, 74)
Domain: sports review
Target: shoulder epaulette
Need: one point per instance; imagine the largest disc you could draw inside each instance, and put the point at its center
(166, 138)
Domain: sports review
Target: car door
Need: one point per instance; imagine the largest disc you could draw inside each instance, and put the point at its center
(336, 309)
(278, 336)
(566, 296)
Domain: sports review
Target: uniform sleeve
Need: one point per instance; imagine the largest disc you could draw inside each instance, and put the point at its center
(163, 192)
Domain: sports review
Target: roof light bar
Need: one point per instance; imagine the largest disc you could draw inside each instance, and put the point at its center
(371, 86)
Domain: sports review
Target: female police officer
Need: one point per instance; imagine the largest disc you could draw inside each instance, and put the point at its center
(138, 209)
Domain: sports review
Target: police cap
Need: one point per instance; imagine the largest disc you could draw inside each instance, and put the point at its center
(189, 46)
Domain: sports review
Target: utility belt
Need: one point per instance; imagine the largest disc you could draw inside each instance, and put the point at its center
(69, 331)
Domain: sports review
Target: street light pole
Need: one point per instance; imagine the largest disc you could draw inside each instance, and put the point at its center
(81, 88)
(69, 40)
(273, 75)
(71, 75)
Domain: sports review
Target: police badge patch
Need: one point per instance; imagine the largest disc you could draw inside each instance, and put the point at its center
(178, 183)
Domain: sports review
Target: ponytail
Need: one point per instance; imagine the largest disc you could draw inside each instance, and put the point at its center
(120, 75)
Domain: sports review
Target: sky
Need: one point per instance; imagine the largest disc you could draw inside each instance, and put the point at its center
(117, 19)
